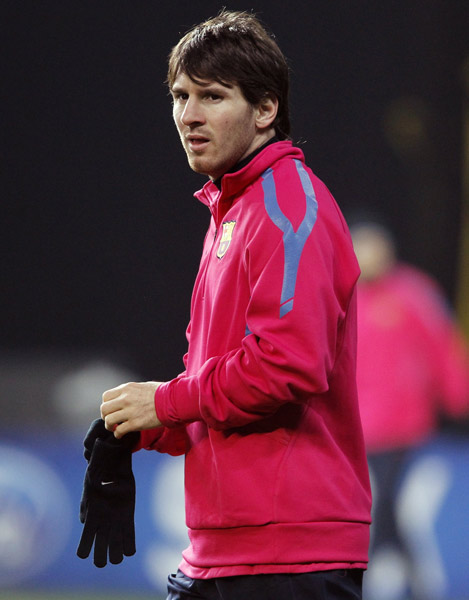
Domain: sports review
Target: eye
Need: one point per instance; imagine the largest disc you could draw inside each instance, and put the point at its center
(180, 96)
(213, 97)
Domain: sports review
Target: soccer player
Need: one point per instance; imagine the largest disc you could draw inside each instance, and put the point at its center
(405, 327)
(266, 412)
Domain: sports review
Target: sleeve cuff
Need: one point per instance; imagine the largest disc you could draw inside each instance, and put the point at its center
(177, 401)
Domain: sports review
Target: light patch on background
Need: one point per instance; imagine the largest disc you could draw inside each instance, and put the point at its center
(35, 515)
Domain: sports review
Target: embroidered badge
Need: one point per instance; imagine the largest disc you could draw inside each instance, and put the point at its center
(226, 237)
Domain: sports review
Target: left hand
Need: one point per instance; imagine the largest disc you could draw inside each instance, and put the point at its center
(130, 407)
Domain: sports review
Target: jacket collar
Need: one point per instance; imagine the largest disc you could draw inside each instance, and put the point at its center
(233, 183)
(242, 163)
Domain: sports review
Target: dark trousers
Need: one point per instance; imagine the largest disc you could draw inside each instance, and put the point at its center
(387, 468)
(344, 584)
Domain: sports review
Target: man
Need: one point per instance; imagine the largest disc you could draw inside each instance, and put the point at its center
(405, 327)
(266, 412)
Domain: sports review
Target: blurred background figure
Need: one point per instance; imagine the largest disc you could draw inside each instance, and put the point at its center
(412, 376)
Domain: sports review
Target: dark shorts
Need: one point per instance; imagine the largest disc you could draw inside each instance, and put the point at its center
(343, 584)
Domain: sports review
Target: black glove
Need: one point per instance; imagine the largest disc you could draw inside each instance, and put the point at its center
(97, 430)
(108, 500)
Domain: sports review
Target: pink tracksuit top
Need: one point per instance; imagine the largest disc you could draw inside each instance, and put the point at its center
(412, 364)
(266, 411)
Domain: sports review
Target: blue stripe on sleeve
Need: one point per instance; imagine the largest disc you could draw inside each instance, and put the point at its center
(293, 243)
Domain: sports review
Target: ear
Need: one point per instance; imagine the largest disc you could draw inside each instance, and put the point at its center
(266, 111)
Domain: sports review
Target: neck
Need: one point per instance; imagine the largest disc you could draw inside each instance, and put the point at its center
(247, 159)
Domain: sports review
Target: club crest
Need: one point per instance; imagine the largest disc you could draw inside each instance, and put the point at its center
(226, 237)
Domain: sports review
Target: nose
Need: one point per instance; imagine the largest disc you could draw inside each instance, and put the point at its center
(192, 113)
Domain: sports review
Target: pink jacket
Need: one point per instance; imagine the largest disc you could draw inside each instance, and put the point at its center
(266, 411)
(412, 363)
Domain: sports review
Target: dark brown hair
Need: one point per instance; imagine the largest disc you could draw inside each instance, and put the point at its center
(235, 48)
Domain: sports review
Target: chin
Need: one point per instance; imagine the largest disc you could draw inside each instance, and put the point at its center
(200, 168)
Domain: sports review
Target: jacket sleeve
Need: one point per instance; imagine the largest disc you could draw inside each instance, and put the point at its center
(173, 441)
(291, 343)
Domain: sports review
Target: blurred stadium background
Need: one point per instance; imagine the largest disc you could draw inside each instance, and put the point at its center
(100, 239)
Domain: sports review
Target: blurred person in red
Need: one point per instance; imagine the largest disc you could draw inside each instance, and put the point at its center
(412, 370)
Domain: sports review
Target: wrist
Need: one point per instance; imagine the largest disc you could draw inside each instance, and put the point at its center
(155, 403)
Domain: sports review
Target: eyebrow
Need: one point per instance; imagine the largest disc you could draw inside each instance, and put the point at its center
(204, 84)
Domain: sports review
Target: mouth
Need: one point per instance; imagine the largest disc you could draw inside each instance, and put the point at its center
(196, 143)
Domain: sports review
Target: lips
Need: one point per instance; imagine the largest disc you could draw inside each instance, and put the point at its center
(197, 142)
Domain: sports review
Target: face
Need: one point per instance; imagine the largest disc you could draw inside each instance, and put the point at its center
(216, 124)
(374, 250)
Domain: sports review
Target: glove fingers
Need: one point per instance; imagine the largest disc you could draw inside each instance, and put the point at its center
(129, 539)
(116, 546)
(86, 541)
(100, 548)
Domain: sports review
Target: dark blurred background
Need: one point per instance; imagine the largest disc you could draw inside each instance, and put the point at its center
(101, 237)
(100, 233)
